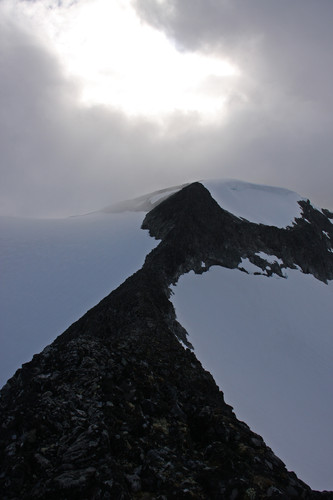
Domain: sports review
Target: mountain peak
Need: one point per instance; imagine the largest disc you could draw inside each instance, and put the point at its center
(116, 407)
(215, 236)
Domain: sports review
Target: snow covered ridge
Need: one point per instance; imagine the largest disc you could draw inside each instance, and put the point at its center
(197, 235)
(257, 203)
(143, 203)
(58, 268)
(268, 228)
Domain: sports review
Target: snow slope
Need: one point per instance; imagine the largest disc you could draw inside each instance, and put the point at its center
(268, 343)
(143, 203)
(268, 205)
(53, 271)
(257, 203)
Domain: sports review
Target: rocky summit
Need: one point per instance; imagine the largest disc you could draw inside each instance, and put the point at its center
(119, 407)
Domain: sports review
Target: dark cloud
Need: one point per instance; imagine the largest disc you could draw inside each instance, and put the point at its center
(291, 39)
(283, 130)
(59, 157)
(283, 44)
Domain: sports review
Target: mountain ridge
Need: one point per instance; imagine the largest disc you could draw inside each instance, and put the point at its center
(140, 420)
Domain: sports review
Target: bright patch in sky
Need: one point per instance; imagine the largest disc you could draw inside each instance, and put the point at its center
(121, 62)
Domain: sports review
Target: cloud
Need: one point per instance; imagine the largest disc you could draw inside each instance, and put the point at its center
(61, 157)
(57, 156)
(281, 124)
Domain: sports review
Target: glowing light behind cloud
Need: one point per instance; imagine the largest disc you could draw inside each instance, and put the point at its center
(120, 62)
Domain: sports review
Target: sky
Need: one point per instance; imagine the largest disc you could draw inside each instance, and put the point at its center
(104, 100)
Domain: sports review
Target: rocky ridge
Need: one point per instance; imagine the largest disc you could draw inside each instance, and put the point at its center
(116, 407)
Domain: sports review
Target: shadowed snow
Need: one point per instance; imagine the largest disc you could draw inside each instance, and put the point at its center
(268, 343)
(52, 271)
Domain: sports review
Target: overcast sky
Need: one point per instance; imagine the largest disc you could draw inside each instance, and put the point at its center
(103, 100)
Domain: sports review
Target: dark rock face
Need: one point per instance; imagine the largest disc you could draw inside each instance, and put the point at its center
(116, 408)
(216, 237)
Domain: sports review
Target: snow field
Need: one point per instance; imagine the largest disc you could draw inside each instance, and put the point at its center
(268, 342)
(257, 203)
(53, 271)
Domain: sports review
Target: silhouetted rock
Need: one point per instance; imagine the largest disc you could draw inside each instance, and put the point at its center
(117, 408)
